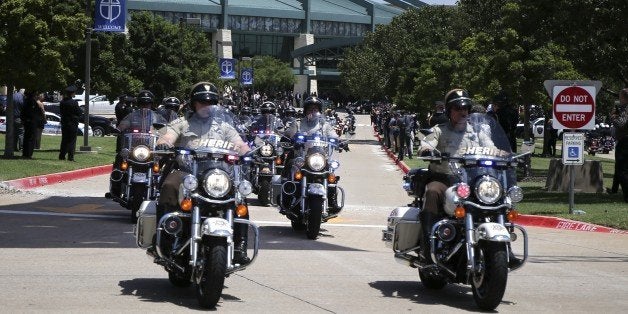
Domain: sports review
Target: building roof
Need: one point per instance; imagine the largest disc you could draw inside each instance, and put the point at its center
(353, 11)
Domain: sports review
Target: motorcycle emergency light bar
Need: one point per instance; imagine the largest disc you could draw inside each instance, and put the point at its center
(231, 158)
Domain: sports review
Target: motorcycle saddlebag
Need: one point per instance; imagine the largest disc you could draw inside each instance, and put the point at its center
(146, 224)
(403, 228)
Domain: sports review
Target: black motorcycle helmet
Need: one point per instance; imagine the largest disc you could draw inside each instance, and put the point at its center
(289, 112)
(144, 97)
(312, 102)
(457, 98)
(268, 107)
(245, 111)
(171, 103)
(204, 91)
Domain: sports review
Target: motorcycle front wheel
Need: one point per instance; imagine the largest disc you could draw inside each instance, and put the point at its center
(489, 283)
(211, 277)
(314, 216)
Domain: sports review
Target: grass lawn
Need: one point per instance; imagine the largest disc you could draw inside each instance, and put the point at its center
(46, 160)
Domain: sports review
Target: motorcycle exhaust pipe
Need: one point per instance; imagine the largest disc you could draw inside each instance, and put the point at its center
(117, 175)
(289, 188)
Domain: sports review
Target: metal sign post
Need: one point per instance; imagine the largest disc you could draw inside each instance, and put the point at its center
(573, 147)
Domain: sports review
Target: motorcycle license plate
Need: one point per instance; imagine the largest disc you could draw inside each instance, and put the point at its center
(139, 177)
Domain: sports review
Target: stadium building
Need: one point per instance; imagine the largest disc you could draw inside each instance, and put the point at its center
(309, 33)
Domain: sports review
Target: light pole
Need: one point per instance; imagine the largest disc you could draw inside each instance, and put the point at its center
(88, 56)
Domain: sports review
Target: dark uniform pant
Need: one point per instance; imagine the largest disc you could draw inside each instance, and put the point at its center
(68, 141)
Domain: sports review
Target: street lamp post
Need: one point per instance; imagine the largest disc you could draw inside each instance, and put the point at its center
(88, 55)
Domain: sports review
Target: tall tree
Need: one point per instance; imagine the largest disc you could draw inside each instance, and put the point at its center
(168, 59)
(38, 40)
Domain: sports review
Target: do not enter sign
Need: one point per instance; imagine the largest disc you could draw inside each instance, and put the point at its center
(574, 107)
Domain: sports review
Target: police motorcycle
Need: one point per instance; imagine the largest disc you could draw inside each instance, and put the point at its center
(137, 173)
(268, 156)
(197, 243)
(349, 123)
(471, 242)
(311, 195)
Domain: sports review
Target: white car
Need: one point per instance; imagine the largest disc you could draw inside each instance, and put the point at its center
(99, 105)
(52, 127)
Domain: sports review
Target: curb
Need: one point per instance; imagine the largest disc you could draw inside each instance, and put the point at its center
(37, 181)
(530, 220)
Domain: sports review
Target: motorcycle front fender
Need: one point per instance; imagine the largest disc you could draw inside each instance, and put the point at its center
(316, 189)
(216, 227)
(491, 231)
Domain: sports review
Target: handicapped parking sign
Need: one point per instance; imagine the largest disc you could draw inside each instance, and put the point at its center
(573, 144)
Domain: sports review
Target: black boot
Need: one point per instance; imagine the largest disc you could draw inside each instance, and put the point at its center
(426, 227)
(239, 254)
(240, 238)
(513, 261)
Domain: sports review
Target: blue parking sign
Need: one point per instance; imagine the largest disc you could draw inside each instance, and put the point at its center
(573, 152)
(246, 76)
(227, 68)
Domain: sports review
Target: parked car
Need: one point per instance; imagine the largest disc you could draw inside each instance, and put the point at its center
(538, 128)
(100, 125)
(98, 105)
(52, 127)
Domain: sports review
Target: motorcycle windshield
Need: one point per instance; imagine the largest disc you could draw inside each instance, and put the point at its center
(484, 138)
(136, 138)
(484, 151)
(316, 141)
(265, 125)
(213, 134)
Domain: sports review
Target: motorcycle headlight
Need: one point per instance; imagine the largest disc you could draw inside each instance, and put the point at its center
(141, 153)
(334, 164)
(245, 188)
(488, 190)
(190, 182)
(516, 194)
(217, 183)
(316, 161)
(266, 150)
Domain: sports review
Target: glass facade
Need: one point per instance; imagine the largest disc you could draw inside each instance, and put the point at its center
(338, 29)
(248, 45)
(206, 22)
(264, 24)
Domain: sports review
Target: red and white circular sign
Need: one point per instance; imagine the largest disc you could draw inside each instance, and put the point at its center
(574, 107)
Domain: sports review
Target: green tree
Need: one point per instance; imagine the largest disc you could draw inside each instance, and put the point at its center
(270, 74)
(168, 59)
(38, 41)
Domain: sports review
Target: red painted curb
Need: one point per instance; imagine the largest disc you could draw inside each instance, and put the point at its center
(532, 220)
(37, 181)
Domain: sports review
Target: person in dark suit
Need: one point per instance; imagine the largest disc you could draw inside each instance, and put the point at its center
(30, 121)
(70, 115)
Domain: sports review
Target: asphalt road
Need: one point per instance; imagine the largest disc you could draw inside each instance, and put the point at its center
(65, 248)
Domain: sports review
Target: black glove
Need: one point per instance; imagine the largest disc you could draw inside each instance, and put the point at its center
(162, 147)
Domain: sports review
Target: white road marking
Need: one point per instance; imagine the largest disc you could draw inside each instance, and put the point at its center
(20, 212)
(329, 224)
